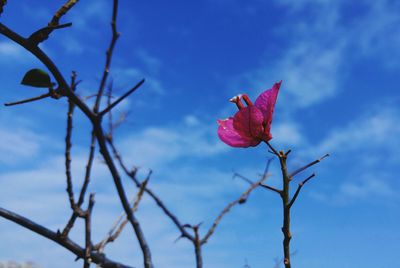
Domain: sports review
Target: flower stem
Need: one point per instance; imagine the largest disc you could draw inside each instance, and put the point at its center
(285, 195)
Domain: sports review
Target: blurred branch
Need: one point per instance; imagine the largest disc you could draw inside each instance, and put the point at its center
(109, 54)
(299, 188)
(2, 4)
(116, 102)
(132, 175)
(119, 225)
(61, 12)
(43, 96)
(294, 173)
(67, 243)
(88, 229)
(239, 200)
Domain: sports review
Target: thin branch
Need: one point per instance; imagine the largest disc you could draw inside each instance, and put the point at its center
(29, 100)
(240, 200)
(109, 54)
(112, 105)
(294, 173)
(110, 115)
(88, 227)
(64, 242)
(273, 150)
(118, 226)
(121, 193)
(65, 90)
(271, 188)
(44, 33)
(299, 188)
(132, 175)
(68, 145)
(61, 12)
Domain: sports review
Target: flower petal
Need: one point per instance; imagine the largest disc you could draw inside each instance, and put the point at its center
(248, 122)
(266, 103)
(228, 134)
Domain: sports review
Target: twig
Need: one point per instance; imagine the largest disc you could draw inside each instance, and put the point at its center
(109, 55)
(44, 33)
(112, 105)
(118, 226)
(67, 243)
(71, 107)
(158, 201)
(294, 173)
(46, 95)
(271, 188)
(61, 12)
(110, 115)
(88, 240)
(244, 196)
(301, 184)
(65, 90)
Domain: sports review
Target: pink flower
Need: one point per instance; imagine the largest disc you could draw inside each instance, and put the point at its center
(251, 124)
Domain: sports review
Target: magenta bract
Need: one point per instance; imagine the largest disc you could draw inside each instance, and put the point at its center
(251, 124)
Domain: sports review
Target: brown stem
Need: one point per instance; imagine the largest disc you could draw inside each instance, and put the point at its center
(68, 145)
(197, 247)
(286, 211)
(88, 230)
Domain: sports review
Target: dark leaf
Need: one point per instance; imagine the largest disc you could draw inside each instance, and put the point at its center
(36, 78)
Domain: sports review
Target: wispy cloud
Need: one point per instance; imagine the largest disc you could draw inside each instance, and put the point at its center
(10, 49)
(155, 146)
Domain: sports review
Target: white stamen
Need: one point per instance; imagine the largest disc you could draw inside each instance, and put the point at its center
(236, 98)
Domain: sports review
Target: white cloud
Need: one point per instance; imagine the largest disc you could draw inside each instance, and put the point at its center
(372, 190)
(364, 153)
(17, 145)
(379, 129)
(155, 146)
(287, 133)
(10, 49)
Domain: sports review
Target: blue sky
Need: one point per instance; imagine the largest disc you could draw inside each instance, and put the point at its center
(339, 64)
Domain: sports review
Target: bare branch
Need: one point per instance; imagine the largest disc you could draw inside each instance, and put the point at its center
(88, 240)
(273, 150)
(112, 105)
(294, 173)
(61, 12)
(28, 100)
(44, 33)
(71, 107)
(240, 200)
(109, 55)
(271, 188)
(64, 242)
(118, 226)
(156, 199)
(299, 188)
